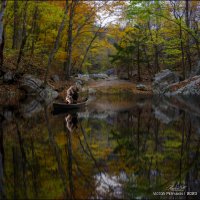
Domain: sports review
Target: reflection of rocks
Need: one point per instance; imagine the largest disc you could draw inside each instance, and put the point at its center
(6, 113)
(169, 109)
(26, 109)
(107, 184)
(188, 104)
(164, 112)
(30, 108)
(108, 116)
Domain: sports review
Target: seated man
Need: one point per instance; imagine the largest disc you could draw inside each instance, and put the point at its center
(72, 95)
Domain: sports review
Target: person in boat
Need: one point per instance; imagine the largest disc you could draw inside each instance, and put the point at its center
(72, 95)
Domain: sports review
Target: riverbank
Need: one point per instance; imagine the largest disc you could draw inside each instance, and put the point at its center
(118, 86)
(11, 94)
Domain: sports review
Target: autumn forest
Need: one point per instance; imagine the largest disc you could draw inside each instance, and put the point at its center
(92, 36)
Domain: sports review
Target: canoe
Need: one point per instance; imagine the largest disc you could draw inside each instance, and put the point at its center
(69, 106)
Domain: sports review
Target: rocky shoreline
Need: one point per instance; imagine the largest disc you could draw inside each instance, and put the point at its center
(168, 83)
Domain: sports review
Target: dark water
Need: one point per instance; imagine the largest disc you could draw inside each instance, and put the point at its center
(118, 147)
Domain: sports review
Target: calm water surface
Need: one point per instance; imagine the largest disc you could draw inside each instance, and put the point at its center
(118, 147)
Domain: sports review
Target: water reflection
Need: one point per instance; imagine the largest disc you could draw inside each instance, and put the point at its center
(117, 148)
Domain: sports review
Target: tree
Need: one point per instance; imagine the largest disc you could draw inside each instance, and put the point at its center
(56, 44)
(15, 25)
(70, 38)
(24, 34)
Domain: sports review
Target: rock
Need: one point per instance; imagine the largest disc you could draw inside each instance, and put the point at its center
(110, 72)
(79, 82)
(35, 86)
(8, 77)
(188, 87)
(92, 91)
(141, 87)
(48, 94)
(30, 83)
(87, 77)
(98, 76)
(83, 77)
(55, 78)
(162, 80)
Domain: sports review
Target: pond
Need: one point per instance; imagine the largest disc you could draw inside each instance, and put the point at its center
(117, 147)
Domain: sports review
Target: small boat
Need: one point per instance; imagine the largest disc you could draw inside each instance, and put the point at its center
(69, 106)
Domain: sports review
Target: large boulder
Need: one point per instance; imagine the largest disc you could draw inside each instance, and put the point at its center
(34, 86)
(141, 87)
(188, 87)
(163, 79)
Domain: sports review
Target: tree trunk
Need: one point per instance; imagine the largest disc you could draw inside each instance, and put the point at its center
(148, 62)
(156, 60)
(138, 62)
(156, 48)
(3, 6)
(1, 50)
(88, 48)
(188, 54)
(68, 63)
(15, 26)
(34, 28)
(182, 51)
(56, 44)
(24, 35)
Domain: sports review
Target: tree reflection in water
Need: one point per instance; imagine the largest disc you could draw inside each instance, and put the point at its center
(117, 153)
